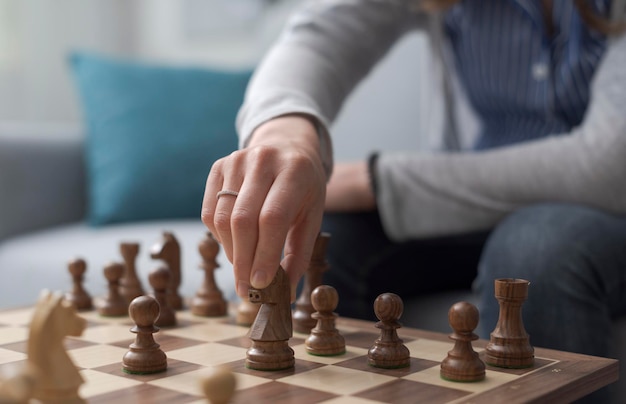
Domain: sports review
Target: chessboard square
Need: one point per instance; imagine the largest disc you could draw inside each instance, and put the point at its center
(170, 342)
(281, 393)
(208, 354)
(98, 383)
(433, 376)
(415, 365)
(300, 352)
(7, 355)
(96, 355)
(350, 400)
(403, 391)
(430, 349)
(188, 382)
(300, 366)
(209, 332)
(144, 393)
(13, 334)
(93, 317)
(338, 380)
(361, 339)
(174, 368)
(106, 334)
(19, 317)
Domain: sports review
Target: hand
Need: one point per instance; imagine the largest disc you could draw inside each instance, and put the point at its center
(349, 189)
(281, 186)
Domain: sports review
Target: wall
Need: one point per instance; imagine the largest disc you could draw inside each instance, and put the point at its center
(37, 35)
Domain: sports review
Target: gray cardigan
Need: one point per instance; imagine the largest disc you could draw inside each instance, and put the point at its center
(423, 194)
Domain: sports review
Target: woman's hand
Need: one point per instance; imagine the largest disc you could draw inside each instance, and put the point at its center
(280, 184)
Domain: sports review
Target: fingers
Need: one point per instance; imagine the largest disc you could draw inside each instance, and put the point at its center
(279, 205)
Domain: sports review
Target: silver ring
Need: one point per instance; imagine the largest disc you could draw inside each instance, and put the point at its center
(226, 192)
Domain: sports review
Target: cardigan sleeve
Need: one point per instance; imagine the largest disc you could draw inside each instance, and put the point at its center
(422, 195)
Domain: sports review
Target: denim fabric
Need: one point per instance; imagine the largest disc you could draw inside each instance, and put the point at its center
(364, 263)
(575, 260)
(573, 256)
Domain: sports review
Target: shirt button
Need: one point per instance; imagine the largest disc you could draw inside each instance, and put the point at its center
(540, 71)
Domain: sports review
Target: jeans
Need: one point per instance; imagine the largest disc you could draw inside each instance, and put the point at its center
(573, 256)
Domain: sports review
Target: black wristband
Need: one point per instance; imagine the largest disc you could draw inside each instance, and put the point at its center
(372, 160)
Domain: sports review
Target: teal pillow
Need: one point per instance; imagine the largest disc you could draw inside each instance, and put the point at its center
(153, 133)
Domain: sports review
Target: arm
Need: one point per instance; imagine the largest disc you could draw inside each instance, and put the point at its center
(281, 171)
(426, 195)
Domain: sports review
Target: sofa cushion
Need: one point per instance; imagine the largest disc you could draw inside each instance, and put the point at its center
(153, 133)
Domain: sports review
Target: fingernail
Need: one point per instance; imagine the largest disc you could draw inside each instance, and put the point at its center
(242, 289)
(258, 279)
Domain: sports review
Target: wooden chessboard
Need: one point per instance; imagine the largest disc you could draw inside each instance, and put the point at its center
(198, 343)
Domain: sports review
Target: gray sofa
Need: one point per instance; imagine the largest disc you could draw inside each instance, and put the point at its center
(42, 206)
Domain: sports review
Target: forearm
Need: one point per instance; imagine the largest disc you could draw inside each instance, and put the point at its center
(428, 195)
(326, 49)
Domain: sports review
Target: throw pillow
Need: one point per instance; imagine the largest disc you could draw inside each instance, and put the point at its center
(153, 133)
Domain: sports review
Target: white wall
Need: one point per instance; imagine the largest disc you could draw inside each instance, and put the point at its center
(37, 35)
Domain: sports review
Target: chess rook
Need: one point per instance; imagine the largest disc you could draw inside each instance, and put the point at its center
(144, 355)
(130, 286)
(388, 351)
(462, 363)
(302, 320)
(509, 344)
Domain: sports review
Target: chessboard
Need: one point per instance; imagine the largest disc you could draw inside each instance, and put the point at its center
(197, 344)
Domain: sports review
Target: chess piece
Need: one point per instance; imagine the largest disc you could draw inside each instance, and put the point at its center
(19, 387)
(113, 304)
(58, 379)
(302, 320)
(159, 279)
(325, 339)
(130, 286)
(509, 345)
(78, 296)
(209, 301)
(168, 250)
(247, 312)
(272, 328)
(144, 355)
(219, 385)
(388, 351)
(462, 363)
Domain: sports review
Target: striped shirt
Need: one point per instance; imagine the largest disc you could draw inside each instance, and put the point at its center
(523, 81)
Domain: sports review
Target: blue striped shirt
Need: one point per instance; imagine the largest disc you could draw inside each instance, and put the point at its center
(522, 82)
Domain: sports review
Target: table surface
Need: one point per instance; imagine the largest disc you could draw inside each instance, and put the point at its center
(197, 343)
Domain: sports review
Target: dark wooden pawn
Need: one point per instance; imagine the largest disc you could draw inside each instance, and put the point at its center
(302, 320)
(159, 279)
(130, 286)
(388, 351)
(144, 355)
(78, 295)
(462, 363)
(325, 339)
(209, 301)
(113, 304)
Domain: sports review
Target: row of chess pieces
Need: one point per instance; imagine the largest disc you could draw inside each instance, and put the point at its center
(123, 283)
